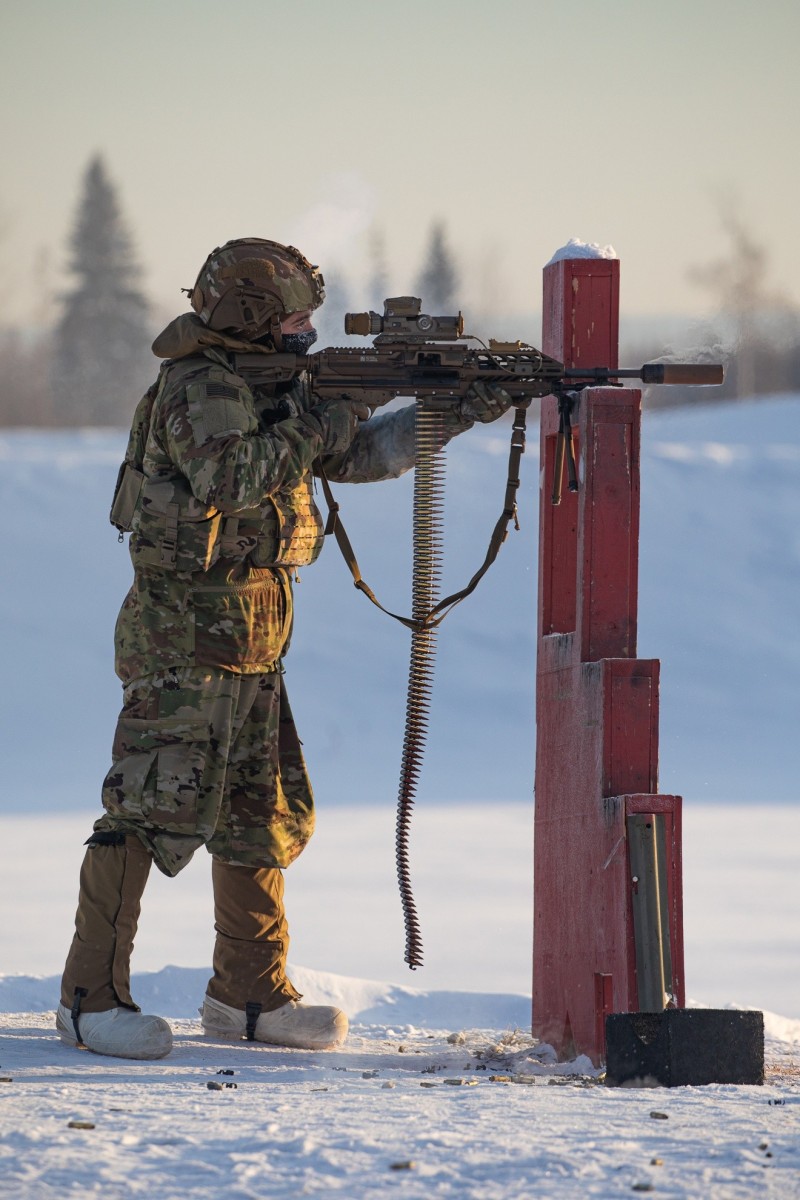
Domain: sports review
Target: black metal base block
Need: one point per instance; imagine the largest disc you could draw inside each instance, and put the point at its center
(684, 1046)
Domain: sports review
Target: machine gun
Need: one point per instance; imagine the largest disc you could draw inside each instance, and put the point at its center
(414, 354)
(428, 357)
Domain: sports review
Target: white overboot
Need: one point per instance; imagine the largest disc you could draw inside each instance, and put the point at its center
(300, 1026)
(120, 1032)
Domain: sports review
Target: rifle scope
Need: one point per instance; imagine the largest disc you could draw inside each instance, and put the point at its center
(403, 319)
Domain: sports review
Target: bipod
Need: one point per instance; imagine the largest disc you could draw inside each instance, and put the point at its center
(565, 447)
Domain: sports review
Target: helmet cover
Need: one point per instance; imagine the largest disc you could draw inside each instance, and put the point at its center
(248, 284)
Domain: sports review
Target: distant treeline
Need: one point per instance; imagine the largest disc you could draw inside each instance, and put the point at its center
(94, 362)
(90, 365)
(32, 395)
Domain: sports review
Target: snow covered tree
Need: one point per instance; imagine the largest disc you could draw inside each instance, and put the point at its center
(102, 360)
(438, 281)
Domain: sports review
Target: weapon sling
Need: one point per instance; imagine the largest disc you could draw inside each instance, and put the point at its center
(439, 611)
(427, 613)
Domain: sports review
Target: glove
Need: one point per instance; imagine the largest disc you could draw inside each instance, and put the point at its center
(485, 402)
(337, 422)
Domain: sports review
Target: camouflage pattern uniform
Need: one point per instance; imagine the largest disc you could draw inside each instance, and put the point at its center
(217, 492)
(203, 752)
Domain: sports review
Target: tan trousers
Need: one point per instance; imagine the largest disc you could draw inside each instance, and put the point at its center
(252, 935)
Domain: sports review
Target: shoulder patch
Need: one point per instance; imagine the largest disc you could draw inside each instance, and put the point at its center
(218, 408)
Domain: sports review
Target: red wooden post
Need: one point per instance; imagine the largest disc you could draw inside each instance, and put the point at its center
(596, 706)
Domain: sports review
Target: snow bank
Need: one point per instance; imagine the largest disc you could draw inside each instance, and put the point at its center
(177, 992)
(741, 901)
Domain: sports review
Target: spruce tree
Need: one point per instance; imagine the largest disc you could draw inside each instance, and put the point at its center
(438, 281)
(102, 360)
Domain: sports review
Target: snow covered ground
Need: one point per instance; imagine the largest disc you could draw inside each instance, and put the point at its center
(439, 1070)
(719, 596)
(426, 1099)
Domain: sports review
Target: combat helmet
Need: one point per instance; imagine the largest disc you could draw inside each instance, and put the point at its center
(247, 285)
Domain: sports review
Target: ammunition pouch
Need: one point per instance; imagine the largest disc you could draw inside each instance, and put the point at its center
(173, 530)
(286, 531)
(126, 497)
(131, 478)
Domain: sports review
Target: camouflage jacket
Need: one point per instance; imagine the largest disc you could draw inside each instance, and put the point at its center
(226, 507)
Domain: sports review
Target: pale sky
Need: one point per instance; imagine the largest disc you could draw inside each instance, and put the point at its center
(519, 123)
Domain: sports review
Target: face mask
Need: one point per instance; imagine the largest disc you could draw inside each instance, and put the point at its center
(298, 343)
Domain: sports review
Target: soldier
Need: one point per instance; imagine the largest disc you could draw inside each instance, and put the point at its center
(216, 491)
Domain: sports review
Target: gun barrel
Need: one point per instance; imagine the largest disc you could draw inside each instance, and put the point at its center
(694, 374)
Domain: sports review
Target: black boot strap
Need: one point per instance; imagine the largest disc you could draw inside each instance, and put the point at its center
(107, 837)
(252, 1011)
(75, 1013)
